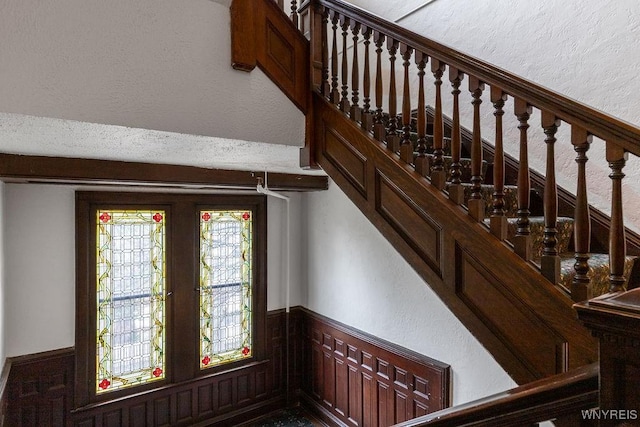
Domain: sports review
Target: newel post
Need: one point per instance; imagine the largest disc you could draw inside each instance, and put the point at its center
(614, 319)
(314, 19)
(243, 42)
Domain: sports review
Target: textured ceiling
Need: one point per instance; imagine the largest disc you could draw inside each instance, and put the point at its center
(138, 81)
(29, 135)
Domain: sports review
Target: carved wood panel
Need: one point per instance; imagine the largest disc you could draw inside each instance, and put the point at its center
(40, 390)
(369, 382)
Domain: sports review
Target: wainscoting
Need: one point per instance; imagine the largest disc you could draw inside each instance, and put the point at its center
(346, 376)
(360, 380)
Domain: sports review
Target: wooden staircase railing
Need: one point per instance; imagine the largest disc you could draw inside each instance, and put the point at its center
(420, 177)
(560, 398)
(322, 18)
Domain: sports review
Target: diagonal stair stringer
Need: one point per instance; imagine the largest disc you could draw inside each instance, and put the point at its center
(523, 320)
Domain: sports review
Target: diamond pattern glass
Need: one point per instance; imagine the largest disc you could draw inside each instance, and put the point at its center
(225, 286)
(131, 289)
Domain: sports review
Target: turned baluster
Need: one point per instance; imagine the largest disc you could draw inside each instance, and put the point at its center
(356, 112)
(550, 262)
(476, 204)
(344, 101)
(438, 176)
(367, 117)
(580, 289)
(294, 12)
(335, 94)
(393, 140)
(456, 192)
(319, 49)
(498, 219)
(422, 161)
(522, 240)
(325, 88)
(379, 130)
(406, 147)
(617, 157)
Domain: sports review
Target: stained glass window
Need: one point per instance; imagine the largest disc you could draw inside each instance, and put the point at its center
(131, 287)
(225, 286)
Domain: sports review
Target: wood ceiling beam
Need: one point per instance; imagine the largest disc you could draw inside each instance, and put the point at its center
(21, 168)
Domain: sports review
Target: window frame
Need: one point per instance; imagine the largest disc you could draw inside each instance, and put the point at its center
(182, 283)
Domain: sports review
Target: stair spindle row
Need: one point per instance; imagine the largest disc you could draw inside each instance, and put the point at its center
(341, 77)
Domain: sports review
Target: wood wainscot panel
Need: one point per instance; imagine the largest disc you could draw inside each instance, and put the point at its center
(366, 381)
(483, 292)
(346, 158)
(410, 221)
(39, 389)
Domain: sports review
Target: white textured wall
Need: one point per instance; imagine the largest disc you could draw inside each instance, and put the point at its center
(40, 273)
(356, 277)
(160, 65)
(40, 265)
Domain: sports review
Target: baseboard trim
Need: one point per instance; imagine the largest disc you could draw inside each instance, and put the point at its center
(320, 411)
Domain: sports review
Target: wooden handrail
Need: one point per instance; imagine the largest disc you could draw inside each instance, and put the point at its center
(595, 122)
(527, 98)
(554, 397)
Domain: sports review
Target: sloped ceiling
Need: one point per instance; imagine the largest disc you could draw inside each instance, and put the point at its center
(139, 81)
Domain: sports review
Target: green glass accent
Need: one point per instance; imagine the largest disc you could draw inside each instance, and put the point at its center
(131, 290)
(225, 286)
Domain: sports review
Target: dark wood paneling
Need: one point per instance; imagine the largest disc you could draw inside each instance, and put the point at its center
(424, 234)
(615, 320)
(262, 35)
(415, 211)
(475, 285)
(347, 159)
(89, 171)
(348, 389)
(39, 389)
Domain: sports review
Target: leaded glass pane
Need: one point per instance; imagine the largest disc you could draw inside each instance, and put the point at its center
(225, 286)
(130, 298)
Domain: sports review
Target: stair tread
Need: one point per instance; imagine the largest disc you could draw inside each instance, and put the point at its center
(598, 271)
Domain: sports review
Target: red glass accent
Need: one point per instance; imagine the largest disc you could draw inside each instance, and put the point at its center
(206, 360)
(206, 216)
(157, 217)
(105, 217)
(245, 351)
(104, 384)
(246, 216)
(157, 372)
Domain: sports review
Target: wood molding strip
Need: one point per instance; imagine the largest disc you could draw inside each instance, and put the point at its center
(18, 168)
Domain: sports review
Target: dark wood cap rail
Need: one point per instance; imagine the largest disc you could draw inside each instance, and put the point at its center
(595, 122)
(542, 400)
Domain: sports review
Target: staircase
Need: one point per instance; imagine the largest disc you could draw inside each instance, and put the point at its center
(504, 247)
(599, 267)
